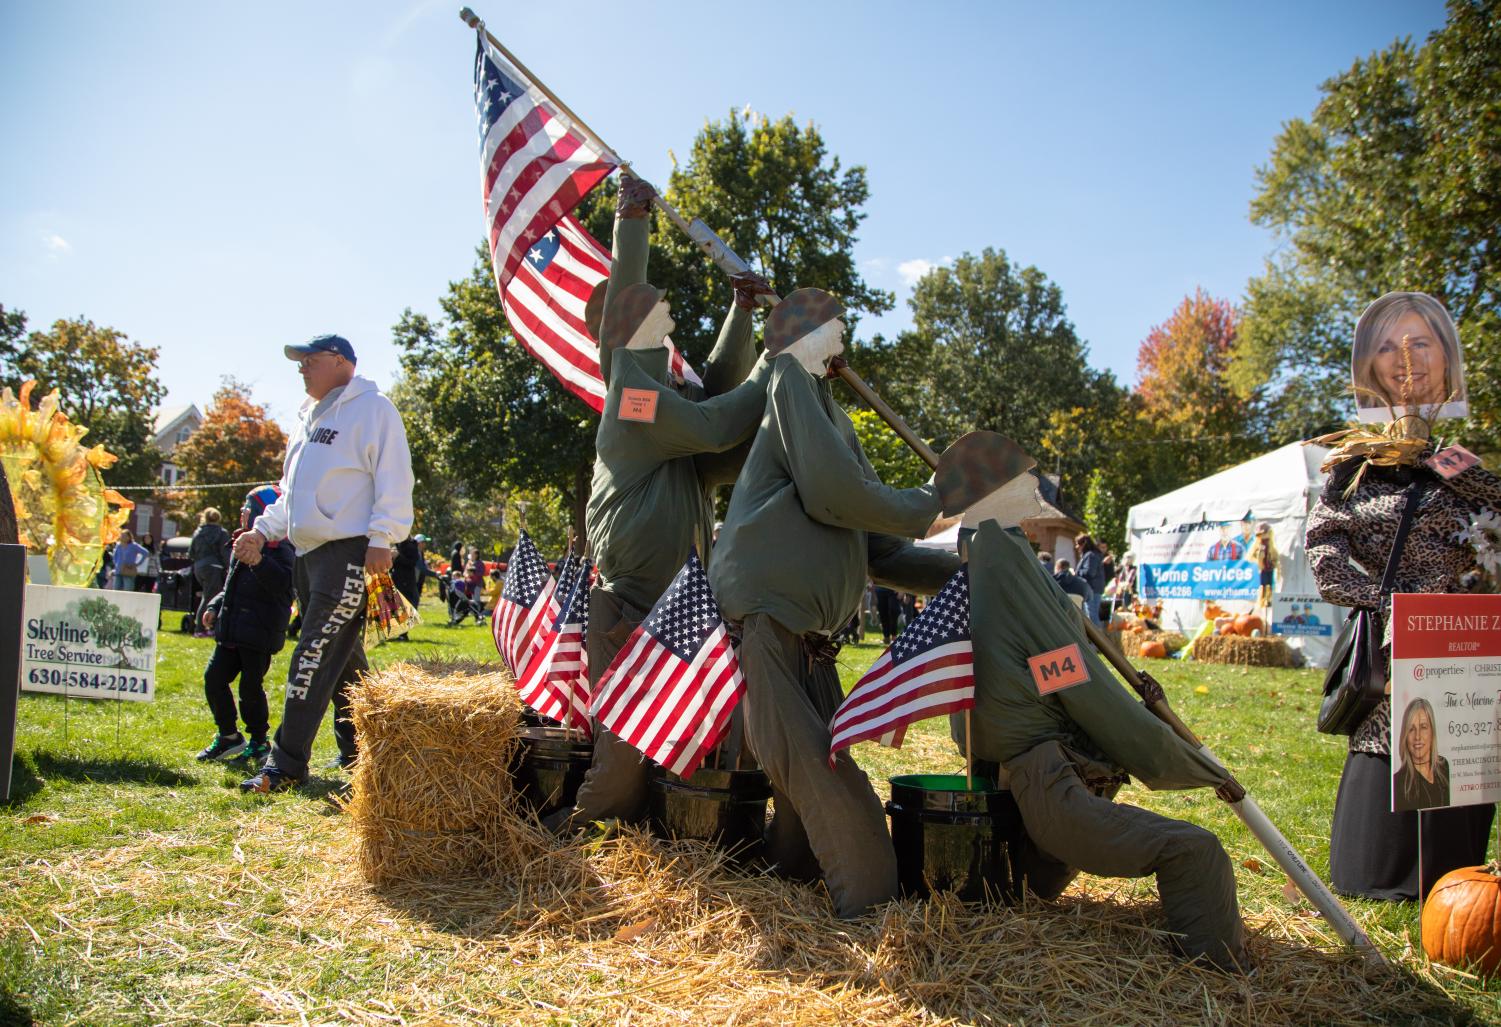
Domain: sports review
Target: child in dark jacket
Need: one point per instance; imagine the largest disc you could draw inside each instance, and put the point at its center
(249, 623)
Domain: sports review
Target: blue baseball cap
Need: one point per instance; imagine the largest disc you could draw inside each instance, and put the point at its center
(322, 344)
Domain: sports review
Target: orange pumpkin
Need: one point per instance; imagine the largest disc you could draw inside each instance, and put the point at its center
(1247, 623)
(1154, 650)
(1462, 920)
(1227, 628)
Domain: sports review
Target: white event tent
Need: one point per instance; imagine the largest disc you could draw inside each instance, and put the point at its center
(1191, 546)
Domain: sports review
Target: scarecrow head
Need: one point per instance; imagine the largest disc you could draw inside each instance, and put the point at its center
(639, 318)
(808, 325)
(987, 477)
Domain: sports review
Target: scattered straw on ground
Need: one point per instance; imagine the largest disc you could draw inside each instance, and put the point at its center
(630, 929)
(1242, 651)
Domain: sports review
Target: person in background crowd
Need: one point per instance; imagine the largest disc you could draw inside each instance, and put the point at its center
(494, 586)
(106, 572)
(248, 620)
(1070, 582)
(1092, 570)
(209, 554)
(909, 608)
(889, 610)
(456, 561)
(129, 556)
(1046, 559)
(1107, 563)
(151, 566)
(1125, 582)
(406, 573)
(346, 500)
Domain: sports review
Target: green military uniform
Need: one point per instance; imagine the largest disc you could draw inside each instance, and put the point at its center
(648, 506)
(1064, 753)
(808, 520)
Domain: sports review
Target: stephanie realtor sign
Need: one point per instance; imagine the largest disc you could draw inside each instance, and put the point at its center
(1446, 700)
(89, 643)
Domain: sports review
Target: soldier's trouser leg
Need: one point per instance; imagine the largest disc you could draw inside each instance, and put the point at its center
(1194, 878)
(788, 704)
(616, 784)
(331, 593)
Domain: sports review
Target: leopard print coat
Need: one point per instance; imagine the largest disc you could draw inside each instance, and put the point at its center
(1363, 528)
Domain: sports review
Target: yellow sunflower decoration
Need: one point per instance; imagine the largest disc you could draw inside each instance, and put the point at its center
(62, 505)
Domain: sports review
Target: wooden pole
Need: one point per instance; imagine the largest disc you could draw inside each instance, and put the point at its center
(969, 754)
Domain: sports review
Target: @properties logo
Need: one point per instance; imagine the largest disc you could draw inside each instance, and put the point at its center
(1417, 672)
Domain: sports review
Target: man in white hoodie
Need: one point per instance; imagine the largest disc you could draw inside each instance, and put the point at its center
(346, 500)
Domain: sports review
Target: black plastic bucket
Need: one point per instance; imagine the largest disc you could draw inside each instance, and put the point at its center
(950, 836)
(727, 807)
(550, 766)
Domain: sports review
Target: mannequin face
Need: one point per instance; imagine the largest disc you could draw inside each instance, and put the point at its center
(1423, 357)
(814, 350)
(654, 328)
(1008, 505)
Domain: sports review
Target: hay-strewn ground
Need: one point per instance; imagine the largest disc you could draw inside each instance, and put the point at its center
(141, 889)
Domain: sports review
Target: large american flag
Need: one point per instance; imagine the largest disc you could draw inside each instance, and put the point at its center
(535, 167)
(670, 690)
(528, 606)
(927, 671)
(558, 674)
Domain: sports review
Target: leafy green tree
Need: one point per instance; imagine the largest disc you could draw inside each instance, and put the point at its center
(1393, 183)
(778, 199)
(107, 384)
(112, 629)
(237, 441)
(896, 464)
(991, 347)
(12, 331)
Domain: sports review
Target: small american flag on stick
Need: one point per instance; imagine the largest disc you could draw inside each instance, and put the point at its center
(559, 673)
(927, 671)
(535, 167)
(527, 607)
(670, 690)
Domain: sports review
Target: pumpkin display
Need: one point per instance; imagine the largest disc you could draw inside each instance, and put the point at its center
(1153, 650)
(1247, 623)
(1462, 919)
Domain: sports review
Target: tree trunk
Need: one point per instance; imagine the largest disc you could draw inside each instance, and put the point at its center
(10, 533)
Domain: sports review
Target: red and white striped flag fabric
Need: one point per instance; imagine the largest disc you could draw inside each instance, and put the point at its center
(527, 608)
(929, 670)
(670, 689)
(535, 167)
(558, 675)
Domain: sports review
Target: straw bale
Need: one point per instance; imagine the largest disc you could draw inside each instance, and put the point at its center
(1242, 651)
(432, 793)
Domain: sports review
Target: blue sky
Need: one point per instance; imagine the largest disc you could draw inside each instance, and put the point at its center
(219, 180)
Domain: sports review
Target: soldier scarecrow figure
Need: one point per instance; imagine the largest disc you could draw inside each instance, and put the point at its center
(1064, 730)
(648, 507)
(808, 520)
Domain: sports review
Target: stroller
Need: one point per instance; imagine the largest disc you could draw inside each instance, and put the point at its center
(460, 603)
(177, 585)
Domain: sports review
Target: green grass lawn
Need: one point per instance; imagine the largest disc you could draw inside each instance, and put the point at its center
(119, 845)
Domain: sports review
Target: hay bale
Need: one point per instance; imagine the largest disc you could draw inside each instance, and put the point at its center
(1242, 651)
(432, 796)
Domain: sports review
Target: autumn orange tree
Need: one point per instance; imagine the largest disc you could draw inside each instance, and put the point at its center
(1199, 421)
(237, 442)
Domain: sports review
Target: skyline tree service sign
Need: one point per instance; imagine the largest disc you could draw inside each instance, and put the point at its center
(89, 643)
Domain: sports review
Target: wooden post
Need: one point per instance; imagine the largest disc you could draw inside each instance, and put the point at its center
(12, 593)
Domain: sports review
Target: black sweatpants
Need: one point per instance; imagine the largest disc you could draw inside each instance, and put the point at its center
(251, 666)
(330, 653)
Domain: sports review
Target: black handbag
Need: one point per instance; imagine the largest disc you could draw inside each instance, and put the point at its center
(1356, 681)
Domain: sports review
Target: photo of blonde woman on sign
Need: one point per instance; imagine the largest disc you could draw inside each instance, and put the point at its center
(1407, 360)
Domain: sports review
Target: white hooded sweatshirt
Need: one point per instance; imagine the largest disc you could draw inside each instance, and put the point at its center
(348, 472)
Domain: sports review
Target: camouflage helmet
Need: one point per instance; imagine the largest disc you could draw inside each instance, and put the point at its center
(797, 315)
(594, 310)
(627, 312)
(975, 466)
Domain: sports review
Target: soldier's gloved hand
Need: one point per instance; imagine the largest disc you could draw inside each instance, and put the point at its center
(635, 197)
(748, 285)
(835, 363)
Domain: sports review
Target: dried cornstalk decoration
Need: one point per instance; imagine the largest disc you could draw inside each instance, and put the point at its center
(1243, 651)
